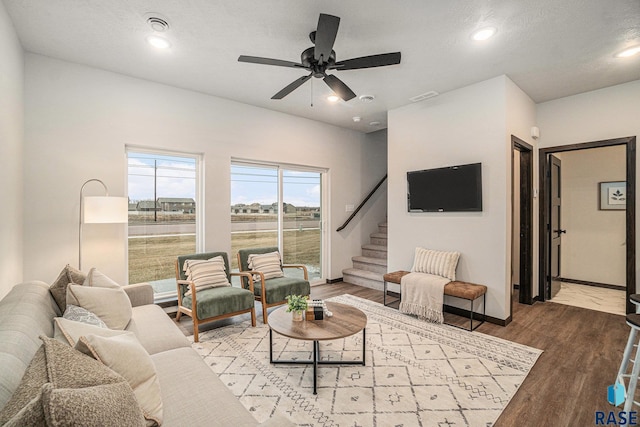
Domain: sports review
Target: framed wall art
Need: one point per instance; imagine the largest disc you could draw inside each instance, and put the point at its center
(613, 195)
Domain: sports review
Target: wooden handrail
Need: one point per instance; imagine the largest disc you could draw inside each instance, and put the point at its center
(366, 199)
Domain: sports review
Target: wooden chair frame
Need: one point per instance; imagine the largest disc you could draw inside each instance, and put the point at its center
(263, 292)
(193, 312)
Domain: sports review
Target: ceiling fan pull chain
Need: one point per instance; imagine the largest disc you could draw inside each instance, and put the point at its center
(311, 93)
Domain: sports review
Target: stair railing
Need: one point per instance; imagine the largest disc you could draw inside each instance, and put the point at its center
(366, 199)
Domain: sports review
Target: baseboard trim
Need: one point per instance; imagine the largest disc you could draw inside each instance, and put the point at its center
(330, 281)
(466, 313)
(594, 284)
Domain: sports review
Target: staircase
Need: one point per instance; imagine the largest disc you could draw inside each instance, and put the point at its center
(369, 268)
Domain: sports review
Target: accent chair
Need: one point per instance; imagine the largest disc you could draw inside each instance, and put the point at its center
(206, 305)
(271, 292)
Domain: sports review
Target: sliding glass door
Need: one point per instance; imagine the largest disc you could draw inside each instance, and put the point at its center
(273, 205)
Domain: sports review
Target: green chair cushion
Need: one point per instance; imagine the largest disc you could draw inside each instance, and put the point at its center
(279, 287)
(222, 300)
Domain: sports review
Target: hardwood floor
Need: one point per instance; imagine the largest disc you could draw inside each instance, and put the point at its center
(567, 385)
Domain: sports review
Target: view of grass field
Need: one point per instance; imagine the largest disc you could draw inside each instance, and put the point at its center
(153, 257)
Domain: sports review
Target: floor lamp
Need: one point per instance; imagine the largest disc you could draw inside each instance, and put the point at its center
(100, 210)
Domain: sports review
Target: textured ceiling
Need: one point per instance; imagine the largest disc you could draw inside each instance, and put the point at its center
(549, 48)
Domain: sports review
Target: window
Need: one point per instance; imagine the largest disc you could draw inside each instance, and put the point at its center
(273, 205)
(163, 216)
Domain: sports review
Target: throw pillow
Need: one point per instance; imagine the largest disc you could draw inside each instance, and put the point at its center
(79, 314)
(107, 405)
(69, 331)
(440, 263)
(269, 264)
(98, 279)
(206, 274)
(111, 305)
(57, 366)
(26, 398)
(58, 288)
(126, 356)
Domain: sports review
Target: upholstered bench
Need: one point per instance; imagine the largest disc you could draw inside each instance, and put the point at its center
(457, 289)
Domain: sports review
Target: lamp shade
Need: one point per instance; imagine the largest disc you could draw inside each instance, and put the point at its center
(105, 210)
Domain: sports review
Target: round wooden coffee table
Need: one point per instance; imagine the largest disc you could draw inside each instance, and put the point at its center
(346, 321)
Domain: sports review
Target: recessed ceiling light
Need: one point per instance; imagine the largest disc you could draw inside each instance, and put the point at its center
(158, 42)
(484, 34)
(367, 98)
(357, 118)
(376, 123)
(628, 52)
(333, 98)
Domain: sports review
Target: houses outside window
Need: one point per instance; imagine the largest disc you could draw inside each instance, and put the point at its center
(281, 206)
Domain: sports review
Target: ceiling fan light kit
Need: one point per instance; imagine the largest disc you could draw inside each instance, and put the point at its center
(319, 59)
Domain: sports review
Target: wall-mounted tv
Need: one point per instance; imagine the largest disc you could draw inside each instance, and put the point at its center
(450, 189)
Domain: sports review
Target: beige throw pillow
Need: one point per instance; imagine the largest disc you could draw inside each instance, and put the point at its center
(440, 263)
(69, 331)
(206, 274)
(99, 280)
(269, 264)
(125, 355)
(111, 305)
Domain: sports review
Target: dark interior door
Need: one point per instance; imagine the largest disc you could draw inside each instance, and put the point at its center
(556, 231)
(526, 255)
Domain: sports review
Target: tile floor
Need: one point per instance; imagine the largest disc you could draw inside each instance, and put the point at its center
(591, 297)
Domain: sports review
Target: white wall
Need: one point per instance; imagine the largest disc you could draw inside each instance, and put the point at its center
(607, 113)
(11, 140)
(593, 248)
(78, 120)
(468, 125)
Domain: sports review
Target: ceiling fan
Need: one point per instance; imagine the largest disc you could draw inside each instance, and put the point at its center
(321, 58)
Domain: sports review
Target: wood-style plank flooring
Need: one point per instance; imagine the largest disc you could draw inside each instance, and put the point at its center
(567, 385)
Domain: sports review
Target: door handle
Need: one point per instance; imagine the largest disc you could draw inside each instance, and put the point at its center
(560, 231)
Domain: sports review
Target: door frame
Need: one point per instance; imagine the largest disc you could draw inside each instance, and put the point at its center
(545, 204)
(526, 217)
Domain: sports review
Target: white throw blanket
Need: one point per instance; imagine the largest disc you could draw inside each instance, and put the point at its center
(422, 294)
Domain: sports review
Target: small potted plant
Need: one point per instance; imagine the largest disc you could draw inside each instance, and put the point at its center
(296, 304)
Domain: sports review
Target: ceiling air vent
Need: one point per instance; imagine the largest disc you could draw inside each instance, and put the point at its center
(157, 24)
(426, 95)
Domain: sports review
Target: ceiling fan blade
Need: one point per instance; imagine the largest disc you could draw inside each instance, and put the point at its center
(371, 61)
(291, 87)
(325, 37)
(269, 61)
(338, 86)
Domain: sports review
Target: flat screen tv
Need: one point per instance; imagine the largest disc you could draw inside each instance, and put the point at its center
(450, 189)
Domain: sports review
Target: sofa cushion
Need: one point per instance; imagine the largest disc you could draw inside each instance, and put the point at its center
(26, 312)
(124, 355)
(280, 287)
(155, 330)
(210, 405)
(79, 314)
(206, 274)
(109, 304)
(70, 331)
(269, 264)
(218, 301)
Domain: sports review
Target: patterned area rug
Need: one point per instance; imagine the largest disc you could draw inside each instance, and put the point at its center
(416, 373)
